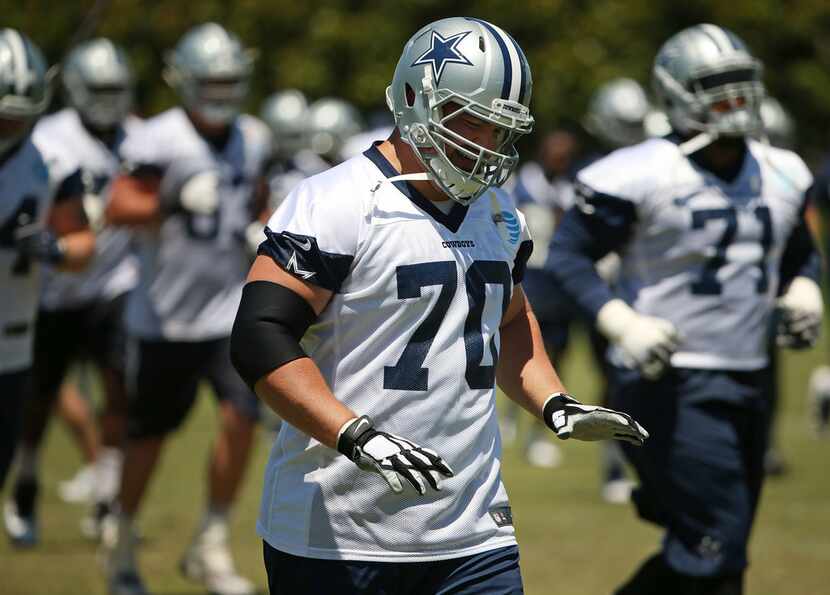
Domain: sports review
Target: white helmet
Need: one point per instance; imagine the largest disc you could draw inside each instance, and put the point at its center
(286, 113)
(25, 86)
(210, 70)
(708, 83)
(332, 122)
(483, 71)
(617, 112)
(99, 83)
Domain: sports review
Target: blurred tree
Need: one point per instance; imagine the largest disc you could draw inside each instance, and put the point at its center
(349, 47)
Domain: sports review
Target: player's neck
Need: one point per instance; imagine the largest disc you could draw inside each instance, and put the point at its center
(401, 156)
(724, 157)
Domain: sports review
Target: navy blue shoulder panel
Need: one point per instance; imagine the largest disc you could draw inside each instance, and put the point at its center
(301, 256)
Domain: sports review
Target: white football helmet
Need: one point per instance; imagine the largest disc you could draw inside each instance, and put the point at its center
(471, 67)
(709, 83)
(332, 122)
(210, 70)
(617, 113)
(25, 87)
(286, 113)
(99, 83)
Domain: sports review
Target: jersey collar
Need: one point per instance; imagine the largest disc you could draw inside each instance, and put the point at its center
(451, 220)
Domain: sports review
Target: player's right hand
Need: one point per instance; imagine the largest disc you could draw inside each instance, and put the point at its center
(391, 456)
(200, 194)
(647, 343)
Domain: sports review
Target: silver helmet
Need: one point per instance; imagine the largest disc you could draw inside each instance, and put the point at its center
(210, 70)
(617, 113)
(332, 122)
(778, 124)
(708, 82)
(286, 113)
(25, 87)
(99, 83)
(459, 66)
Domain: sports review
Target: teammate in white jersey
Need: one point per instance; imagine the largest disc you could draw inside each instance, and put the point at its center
(41, 220)
(400, 272)
(81, 315)
(709, 224)
(195, 186)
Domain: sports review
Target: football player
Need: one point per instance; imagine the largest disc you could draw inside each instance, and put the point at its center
(194, 185)
(41, 221)
(382, 309)
(709, 223)
(81, 314)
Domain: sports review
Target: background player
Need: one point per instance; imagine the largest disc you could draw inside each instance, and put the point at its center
(194, 187)
(81, 315)
(709, 224)
(401, 272)
(41, 221)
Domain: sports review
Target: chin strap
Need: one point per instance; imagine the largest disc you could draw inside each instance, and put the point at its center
(696, 143)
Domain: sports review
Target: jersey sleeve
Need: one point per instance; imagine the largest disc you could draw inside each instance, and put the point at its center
(314, 235)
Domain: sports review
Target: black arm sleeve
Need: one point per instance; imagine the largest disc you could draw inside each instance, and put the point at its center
(800, 258)
(266, 333)
(599, 224)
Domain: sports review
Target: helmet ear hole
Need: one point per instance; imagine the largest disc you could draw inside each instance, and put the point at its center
(409, 92)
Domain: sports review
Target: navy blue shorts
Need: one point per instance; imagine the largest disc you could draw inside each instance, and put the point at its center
(95, 331)
(495, 572)
(163, 379)
(702, 468)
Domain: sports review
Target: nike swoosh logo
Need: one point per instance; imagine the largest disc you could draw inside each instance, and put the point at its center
(360, 424)
(304, 245)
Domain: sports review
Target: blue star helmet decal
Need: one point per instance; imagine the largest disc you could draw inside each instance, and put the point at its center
(442, 52)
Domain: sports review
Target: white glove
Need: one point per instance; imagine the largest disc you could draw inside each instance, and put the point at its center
(391, 456)
(646, 342)
(200, 194)
(801, 309)
(568, 418)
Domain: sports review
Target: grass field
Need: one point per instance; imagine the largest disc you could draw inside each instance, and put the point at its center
(571, 542)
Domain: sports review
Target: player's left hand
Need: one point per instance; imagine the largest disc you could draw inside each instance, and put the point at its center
(801, 309)
(569, 418)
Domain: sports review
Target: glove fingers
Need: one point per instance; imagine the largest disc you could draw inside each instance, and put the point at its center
(436, 461)
(390, 476)
(402, 469)
(422, 464)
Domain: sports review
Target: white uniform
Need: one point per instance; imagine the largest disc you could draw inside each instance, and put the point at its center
(409, 338)
(26, 197)
(67, 145)
(192, 267)
(706, 253)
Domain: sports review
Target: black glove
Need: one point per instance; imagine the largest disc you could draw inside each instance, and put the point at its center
(391, 456)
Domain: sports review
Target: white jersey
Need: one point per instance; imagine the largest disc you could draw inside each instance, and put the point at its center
(68, 146)
(25, 197)
(192, 267)
(410, 338)
(705, 253)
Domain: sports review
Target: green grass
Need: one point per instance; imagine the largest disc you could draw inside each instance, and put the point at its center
(571, 542)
